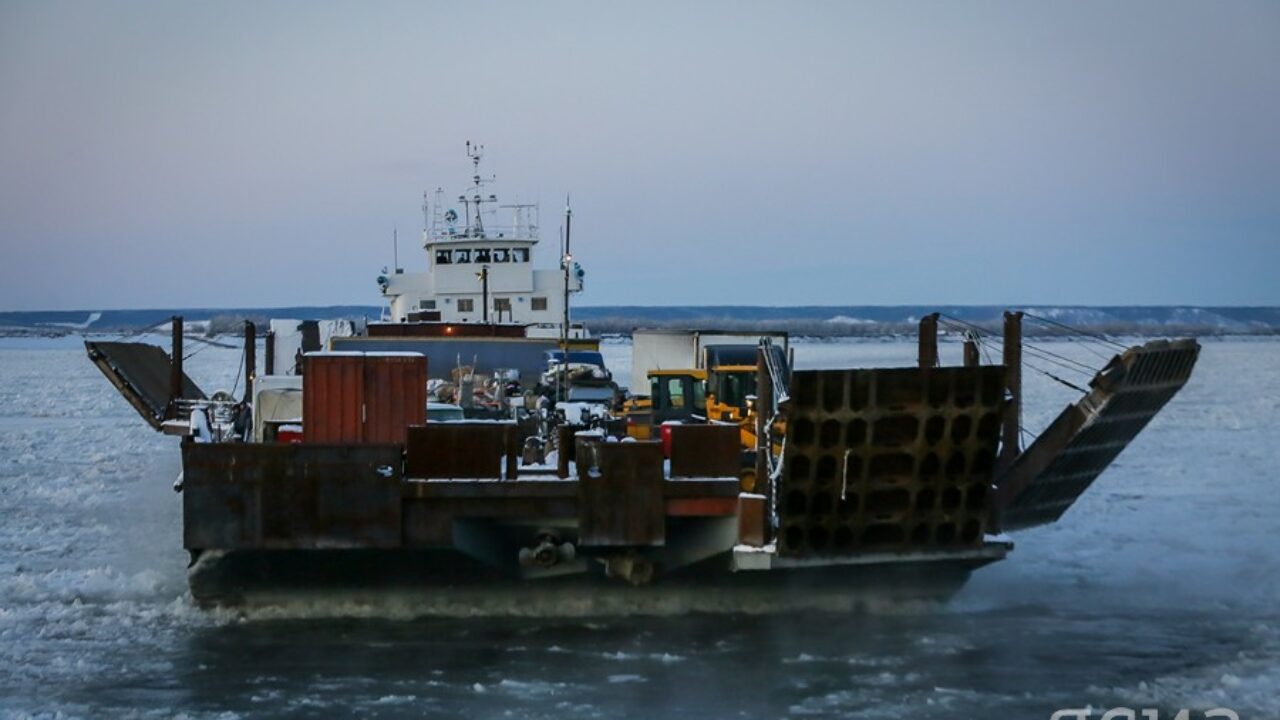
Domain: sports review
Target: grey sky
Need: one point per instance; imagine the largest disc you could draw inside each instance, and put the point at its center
(234, 154)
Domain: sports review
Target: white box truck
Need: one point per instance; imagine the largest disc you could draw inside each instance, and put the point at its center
(655, 349)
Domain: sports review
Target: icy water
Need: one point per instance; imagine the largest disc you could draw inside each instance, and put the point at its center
(1158, 590)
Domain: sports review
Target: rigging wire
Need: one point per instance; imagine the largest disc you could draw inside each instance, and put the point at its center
(1078, 331)
(1051, 359)
(1027, 437)
(239, 370)
(1083, 341)
(1088, 346)
(195, 352)
(970, 332)
(981, 332)
(977, 328)
(964, 328)
(205, 344)
(1052, 375)
(207, 341)
(1071, 385)
(982, 337)
(982, 345)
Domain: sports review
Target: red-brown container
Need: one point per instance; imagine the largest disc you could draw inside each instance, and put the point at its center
(396, 395)
(355, 397)
(333, 397)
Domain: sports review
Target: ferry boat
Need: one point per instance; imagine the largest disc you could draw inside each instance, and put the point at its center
(865, 485)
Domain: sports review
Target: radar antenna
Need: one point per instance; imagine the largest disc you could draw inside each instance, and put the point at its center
(475, 226)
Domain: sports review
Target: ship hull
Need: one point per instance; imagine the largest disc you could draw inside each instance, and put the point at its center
(446, 583)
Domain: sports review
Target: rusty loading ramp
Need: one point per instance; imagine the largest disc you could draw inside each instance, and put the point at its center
(141, 373)
(1046, 479)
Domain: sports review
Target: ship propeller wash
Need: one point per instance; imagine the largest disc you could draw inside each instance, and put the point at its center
(472, 445)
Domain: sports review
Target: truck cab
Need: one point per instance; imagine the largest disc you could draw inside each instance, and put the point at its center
(677, 395)
(731, 381)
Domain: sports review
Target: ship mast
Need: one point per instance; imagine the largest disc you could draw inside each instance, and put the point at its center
(475, 226)
(566, 262)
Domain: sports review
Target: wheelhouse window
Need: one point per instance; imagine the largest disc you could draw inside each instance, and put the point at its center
(444, 257)
(466, 305)
(538, 303)
(520, 255)
(462, 256)
(501, 255)
(482, 255)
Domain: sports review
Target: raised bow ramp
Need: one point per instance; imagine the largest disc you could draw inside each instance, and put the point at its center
(1046, 479)
(143, 375)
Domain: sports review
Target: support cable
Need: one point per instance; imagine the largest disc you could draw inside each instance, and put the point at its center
(1086, 342)
(1087, 345)
(1071, 385)
(1052, 360)
(1078, 331)
(1063, 358)
(195, 352)
(977, 328)
(239, 370)
(971, 332)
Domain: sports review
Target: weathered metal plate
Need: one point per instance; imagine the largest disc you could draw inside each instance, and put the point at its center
(333, 398)
(705, 451)
(395, 388)
(620, 494)
(287, 496)
(432, 506)
(1064, 461)
(566, 448)
(141, 373)
(882, 459)
(367, 397)
(462, 450)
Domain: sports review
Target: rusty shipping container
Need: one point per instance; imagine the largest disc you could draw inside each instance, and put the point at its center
(356, 397)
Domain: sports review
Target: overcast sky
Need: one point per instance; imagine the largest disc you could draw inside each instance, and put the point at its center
(245, 154)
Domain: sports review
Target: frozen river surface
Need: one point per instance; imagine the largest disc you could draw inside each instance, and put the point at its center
(1160, 589)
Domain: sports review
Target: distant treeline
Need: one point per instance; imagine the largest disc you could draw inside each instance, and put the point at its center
(804, 327)
(234, 324)
(811, 321)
